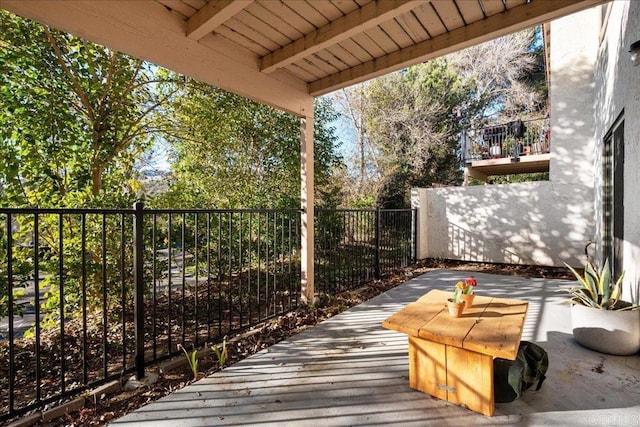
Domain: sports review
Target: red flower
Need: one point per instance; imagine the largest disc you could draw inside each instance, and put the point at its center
(471, 281)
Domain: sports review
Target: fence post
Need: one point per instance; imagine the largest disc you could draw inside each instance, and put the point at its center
(414, 235)
(377, 256)
(138, 286)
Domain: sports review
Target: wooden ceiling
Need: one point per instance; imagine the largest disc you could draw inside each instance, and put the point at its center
(284, 53)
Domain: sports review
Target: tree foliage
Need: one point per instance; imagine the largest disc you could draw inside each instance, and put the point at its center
(231, 152)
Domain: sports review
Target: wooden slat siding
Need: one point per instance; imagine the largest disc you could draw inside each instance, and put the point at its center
(310, 67)
(340, 29)
(177, 6)
(382, 39)
(471, 10)
(487, 29)
(365, 42)
(300, 72)
(279, 22)
(515, 3)
(311, 14)
(327, 9)
(449, 14)
(288, 15)
(345, 6)
(241, 40)
(356, 50)
(261, 27)
(397, 33)
(196, 4)
(492, 7)
(471, 375)
(414, 29)
(329, 58)
(428, 19)
(253, 35)
(435, 11)
(427, 367)
(212, 15)
(344, 55)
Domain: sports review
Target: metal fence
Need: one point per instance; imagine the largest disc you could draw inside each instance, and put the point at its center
(87, 296)
(354, 246)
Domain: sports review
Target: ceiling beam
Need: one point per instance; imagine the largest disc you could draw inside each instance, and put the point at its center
(212, 15)
(353, 23)
(147, 30)
(509, 21)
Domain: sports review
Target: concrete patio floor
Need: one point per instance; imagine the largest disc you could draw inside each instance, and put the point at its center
(350, 371)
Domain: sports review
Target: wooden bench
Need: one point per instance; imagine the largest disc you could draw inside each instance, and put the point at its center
(452, 358)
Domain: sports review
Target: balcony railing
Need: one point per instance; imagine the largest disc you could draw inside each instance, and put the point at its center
(508, 140)
(87, 296)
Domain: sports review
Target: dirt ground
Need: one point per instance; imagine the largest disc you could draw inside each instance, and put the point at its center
(275, 330)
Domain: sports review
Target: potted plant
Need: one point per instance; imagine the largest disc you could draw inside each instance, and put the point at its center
(466, 288)
(455, 305)
(600, 320)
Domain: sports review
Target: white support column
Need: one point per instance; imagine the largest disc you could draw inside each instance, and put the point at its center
(306, 198)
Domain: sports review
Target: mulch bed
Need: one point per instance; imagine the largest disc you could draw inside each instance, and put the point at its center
(273, 331)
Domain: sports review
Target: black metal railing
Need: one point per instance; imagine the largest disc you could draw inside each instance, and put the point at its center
(87, 295)
(354, 246)
(507, 140)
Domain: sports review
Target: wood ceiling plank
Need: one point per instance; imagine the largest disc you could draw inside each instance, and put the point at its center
(397, 33)
(412, 26)
(279, 22)
(311, 68)
(429, 20)
(196, 4)
(147, 30)
(448, 12)
(212, 15)
(321, 65)
(281, 9)
(345, 6)
(356, 50)
(179, 7)
(241, 40)
(515, 3)
(491, 7)
(266, 30)
(471, 10)
(329, 58)
(384, 41)
(300, 72)
(310, 13)
(512, 20)
(250, 33)
(369, 45)
(344, 55)
(327, 9)
(366, 17)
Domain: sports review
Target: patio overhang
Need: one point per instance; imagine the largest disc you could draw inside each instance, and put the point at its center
(283, 53)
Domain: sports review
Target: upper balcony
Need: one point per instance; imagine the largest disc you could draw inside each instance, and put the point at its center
(520, 146)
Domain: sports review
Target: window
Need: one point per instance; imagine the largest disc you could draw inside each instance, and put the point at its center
(613, 195)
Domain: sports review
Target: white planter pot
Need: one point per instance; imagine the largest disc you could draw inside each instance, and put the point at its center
(606, 331)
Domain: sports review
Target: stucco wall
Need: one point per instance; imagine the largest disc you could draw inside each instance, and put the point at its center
(618, 83)
(540, 223)
(545, 223)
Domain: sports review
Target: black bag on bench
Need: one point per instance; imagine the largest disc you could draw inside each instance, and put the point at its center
(512, 377)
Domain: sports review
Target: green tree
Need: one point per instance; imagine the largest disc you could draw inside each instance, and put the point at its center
(74, 117)
(231, 152)
(412, 122)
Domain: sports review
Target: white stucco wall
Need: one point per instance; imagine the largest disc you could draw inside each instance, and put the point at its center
(539, 223)
(544, 223)
(618, 83)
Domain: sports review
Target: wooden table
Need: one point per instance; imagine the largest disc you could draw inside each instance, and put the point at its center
(452, 358)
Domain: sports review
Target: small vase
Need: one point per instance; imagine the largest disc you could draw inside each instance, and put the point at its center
(468, 300)
(455, 308)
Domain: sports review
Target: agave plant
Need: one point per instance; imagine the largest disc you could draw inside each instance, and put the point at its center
(597, 289)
